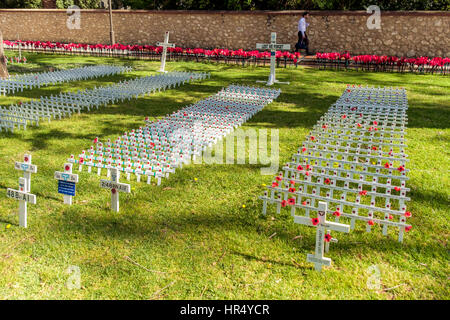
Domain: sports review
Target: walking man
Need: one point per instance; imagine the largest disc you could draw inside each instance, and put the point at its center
(303, 41)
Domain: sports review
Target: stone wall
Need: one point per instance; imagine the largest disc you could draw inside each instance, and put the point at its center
(401, 33)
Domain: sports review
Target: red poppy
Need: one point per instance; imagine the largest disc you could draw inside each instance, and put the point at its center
(284, 203)
(324, 126)
(408, 214)
(307, 173)
(304, 203)
(407, 228)
(327, 181)
(303, 149)
(344, 116)
(337, 213)
(375, 123)
(274, 185)
(401, 168)
(397, 188)
(312, 138)
(299, 168)
(391, 217)
(387, 165)
(278, 178)
(292, 182)
(291, 189)
(328, 237)
(315, 221)
(374, 148)
(363, 192)
(359, 125)
(370, 222)
(291, 201)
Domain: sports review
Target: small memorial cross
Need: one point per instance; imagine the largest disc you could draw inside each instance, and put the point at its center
(27, 169)
(322, 225)
(67, 183)
(23, 197)
(164, 45)
(115, 186)
(273, 46)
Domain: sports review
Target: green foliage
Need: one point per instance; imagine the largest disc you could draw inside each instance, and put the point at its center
(32, 4)
(83, 4)
(287, 4)
(243, 4)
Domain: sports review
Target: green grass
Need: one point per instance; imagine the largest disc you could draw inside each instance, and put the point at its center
(193, 239)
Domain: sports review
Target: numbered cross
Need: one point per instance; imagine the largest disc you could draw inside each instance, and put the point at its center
(67, 183)
(23, 197)
(322, 225)
(27, 169)
(273, 47)
(115, 186)
(164, 45)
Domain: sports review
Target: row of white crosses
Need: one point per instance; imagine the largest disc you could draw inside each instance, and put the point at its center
(352, 165)
(20, 82)
(66, 103)
(160, 147)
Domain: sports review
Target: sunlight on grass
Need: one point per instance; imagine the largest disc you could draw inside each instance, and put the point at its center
(202, 229)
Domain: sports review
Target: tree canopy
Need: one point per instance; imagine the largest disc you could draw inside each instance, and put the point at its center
(242, 4)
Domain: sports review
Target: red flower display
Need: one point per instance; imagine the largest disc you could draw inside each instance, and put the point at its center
(408, 214)
(327, 237)
(315, 221)
(387, 165)
(408, 228)
(291, 190)
(363, 192)
(284, 203)
(291, 201)
(370, 222)
(327, 181)
(274, 185)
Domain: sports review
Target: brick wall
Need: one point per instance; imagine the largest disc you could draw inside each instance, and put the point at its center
(401, 33)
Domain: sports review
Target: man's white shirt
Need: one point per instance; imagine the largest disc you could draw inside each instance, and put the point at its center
(302, 25)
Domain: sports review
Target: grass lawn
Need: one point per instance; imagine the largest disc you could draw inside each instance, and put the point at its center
(193, 239)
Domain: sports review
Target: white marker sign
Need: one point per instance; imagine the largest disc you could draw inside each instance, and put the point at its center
(273, 47)
(115, 186)
(165, 45)
(66, 183)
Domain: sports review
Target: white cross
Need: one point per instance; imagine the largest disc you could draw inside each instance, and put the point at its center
(27, 169)
(273, 46)
(67, 176)
(165, 45)
(321, 227)
(23, 197)
(115, 186)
